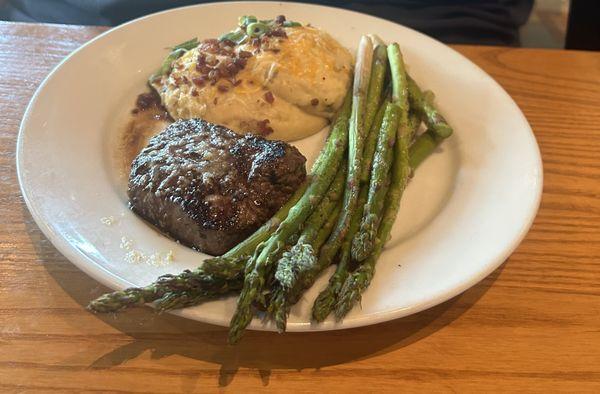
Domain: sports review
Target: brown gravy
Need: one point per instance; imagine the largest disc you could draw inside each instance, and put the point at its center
(148, 118)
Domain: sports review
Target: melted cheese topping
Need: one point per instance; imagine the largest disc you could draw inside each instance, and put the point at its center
(307, 74)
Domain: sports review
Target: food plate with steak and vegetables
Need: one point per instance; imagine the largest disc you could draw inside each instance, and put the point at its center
(283, 167)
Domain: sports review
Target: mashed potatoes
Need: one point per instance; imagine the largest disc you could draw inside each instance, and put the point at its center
(285, 85)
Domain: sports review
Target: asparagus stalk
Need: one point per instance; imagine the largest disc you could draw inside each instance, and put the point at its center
(192, 297)
(356, 134)
(197, 280)
(423, 146)
(260, 265)
(371, 144)
(326, 300)
(360, 279)
(363, 241)
(302, 252)
(308, 273)
(423, 103)
(376, 83)
(325, 231)
(284, 298)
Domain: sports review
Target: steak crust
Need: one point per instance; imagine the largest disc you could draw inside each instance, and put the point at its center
(210, 188)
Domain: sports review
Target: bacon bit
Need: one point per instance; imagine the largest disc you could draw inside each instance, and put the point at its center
(278, 33)
(236, 83)
(279, 19)
(199, 81)
(223, 88)
(263, 127)
(223, 71)
(204, 69)
(212, 69)
(240, 62)
(210, 45)
(135, 111)
(216, 100)
(314, 102)
(194, 92)
(211, 60)
(232, 69)
(269, 97)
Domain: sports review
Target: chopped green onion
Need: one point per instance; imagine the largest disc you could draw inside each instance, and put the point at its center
(291, 24)
(237, 36)
(168, 62)
(187, 45)
(245, 20)
(256, 29)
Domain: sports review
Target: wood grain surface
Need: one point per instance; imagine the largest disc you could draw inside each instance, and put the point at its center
(533, 325)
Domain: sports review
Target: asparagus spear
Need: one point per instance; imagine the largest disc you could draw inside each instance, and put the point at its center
(260, 265)
(376, 83)
(188, 298)
(356, 133)
(197, 280)
(423, 146)
(216, 269)
(362, 243)
(423, 103)
(360, 279)
(284, 298)
(308, 272)
(325, 230)
(326, 300)
(302, 252)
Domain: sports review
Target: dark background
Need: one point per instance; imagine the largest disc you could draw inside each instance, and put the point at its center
(573, 24)
(493, 22)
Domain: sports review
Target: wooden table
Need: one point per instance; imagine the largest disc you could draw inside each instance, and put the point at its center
(533, 324)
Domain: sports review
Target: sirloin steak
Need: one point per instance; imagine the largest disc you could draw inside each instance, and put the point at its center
(210, 188)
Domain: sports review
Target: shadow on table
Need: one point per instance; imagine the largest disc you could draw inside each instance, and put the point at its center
(165, 335)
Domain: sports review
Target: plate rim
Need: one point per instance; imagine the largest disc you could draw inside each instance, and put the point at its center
(102, 275)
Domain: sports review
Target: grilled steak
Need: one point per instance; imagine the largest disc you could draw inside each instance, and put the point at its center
(210, 188)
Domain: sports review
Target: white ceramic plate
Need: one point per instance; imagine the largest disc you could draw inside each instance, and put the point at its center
(466, 210)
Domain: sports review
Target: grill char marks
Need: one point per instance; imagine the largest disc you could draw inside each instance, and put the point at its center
(209, 187)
